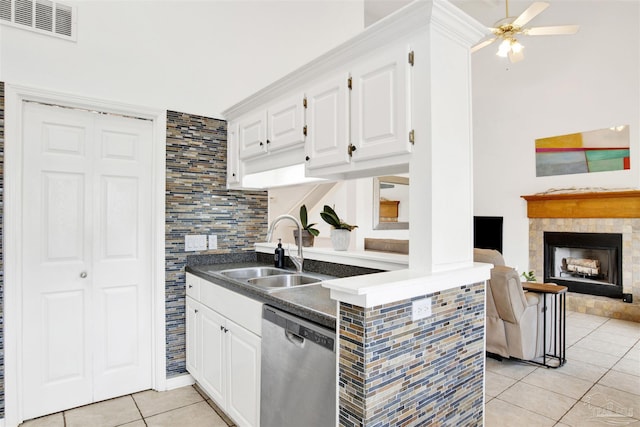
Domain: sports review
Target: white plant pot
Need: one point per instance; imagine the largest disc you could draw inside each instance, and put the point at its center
(340, 239)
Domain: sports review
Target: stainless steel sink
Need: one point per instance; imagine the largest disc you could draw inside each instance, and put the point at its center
(253, 272)
(283, 281)
(270, 278)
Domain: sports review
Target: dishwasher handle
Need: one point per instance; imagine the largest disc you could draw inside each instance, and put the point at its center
(294, 339)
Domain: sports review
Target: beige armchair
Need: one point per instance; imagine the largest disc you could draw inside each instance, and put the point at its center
(513, 317)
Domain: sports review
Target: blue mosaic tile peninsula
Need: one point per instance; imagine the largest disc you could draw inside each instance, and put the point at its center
(394, 371)
(197, 202)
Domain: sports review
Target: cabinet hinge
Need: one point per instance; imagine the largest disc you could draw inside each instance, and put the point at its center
(304, 130)
(411, 56)
(304, 102)
(350, 83)
(412, 136)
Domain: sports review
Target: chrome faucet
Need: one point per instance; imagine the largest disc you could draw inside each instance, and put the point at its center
(297, 260)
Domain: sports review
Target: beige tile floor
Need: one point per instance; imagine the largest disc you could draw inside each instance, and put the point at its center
(599, 386)
(182, 407)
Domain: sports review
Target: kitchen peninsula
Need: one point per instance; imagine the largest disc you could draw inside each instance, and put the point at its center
(411, 341)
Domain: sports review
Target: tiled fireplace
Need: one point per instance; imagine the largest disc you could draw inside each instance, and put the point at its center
(606, 212)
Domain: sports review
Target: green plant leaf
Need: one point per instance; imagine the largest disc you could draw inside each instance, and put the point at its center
(303, 216)
(330, 217)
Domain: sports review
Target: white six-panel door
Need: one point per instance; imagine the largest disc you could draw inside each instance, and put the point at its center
(86, 262)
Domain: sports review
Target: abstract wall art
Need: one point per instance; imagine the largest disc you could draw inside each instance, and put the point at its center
(599, 150)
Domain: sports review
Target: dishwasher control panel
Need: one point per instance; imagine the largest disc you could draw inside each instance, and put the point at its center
(318, 338)
(302, 328)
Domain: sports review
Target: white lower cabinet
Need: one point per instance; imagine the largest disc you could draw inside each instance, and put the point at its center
(223, 356)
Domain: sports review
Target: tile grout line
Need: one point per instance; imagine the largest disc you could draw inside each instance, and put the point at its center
(135, 402)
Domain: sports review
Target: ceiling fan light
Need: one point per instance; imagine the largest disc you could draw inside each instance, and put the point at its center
(504, 48)
(516, 47)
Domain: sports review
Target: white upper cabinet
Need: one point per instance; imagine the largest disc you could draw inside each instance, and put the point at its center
(361, 115)
(397, 98)
(327, 123)
(279, 127)
(285, 124)
(252, 135)
(380, 116)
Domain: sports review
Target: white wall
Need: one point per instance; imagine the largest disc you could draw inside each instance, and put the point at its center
(198, 57)
(565, 84)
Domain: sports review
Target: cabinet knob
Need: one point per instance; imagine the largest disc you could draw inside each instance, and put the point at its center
(350, 149)
(261, 144)
(83, 275)
(195, 311)
(307, 158)
(233, 174)
(190, 286)
(268, 142)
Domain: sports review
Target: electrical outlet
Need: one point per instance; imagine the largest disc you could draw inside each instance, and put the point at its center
(421, 309)
(195, 242)
(213, 241)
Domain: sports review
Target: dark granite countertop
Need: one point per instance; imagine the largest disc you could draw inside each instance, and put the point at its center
(311, 302)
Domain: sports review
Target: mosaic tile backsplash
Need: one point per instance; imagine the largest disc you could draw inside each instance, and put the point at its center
(197, 202)
(1, 250)
(394, 371)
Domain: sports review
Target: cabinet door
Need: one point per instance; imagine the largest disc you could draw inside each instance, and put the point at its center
(212, 368)
(379, 112)
(233, 152)
(327, 122)
(285, 124)
(252, 135)
(192, 332)
(243, 364)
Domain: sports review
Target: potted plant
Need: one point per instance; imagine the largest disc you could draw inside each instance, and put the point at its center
(308, 232)
(340, 233)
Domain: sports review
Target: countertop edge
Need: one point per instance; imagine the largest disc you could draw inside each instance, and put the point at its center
(383, 288)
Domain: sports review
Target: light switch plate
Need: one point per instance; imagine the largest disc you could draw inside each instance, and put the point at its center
(196, 242)
(213, 241)
(420, 309)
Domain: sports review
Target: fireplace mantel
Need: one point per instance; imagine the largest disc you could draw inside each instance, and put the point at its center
(604, 204)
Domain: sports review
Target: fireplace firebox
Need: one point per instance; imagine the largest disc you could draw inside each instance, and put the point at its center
(587, 263)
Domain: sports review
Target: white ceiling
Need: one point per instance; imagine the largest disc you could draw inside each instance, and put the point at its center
(487, 12)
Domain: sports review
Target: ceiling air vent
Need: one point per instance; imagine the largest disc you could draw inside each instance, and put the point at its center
(42, 16)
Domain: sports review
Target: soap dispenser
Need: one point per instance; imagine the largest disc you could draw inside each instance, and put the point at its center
(279, 255)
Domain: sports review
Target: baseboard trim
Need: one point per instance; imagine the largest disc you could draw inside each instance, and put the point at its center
(177, 382)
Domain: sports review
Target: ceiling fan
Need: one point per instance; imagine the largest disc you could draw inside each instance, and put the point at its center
(508, 28)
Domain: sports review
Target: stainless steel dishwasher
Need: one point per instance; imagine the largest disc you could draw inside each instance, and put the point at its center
(298, 381)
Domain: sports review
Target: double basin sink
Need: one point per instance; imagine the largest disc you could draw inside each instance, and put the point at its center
(269, 278)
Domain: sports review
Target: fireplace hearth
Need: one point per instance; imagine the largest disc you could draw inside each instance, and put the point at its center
(587, 263)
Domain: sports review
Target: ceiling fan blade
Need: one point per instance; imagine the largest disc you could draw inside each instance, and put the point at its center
(533, 11)
(516, 56)
(550, 31)
(482, 44)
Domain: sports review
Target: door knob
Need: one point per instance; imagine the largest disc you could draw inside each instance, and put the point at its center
(83, 275)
